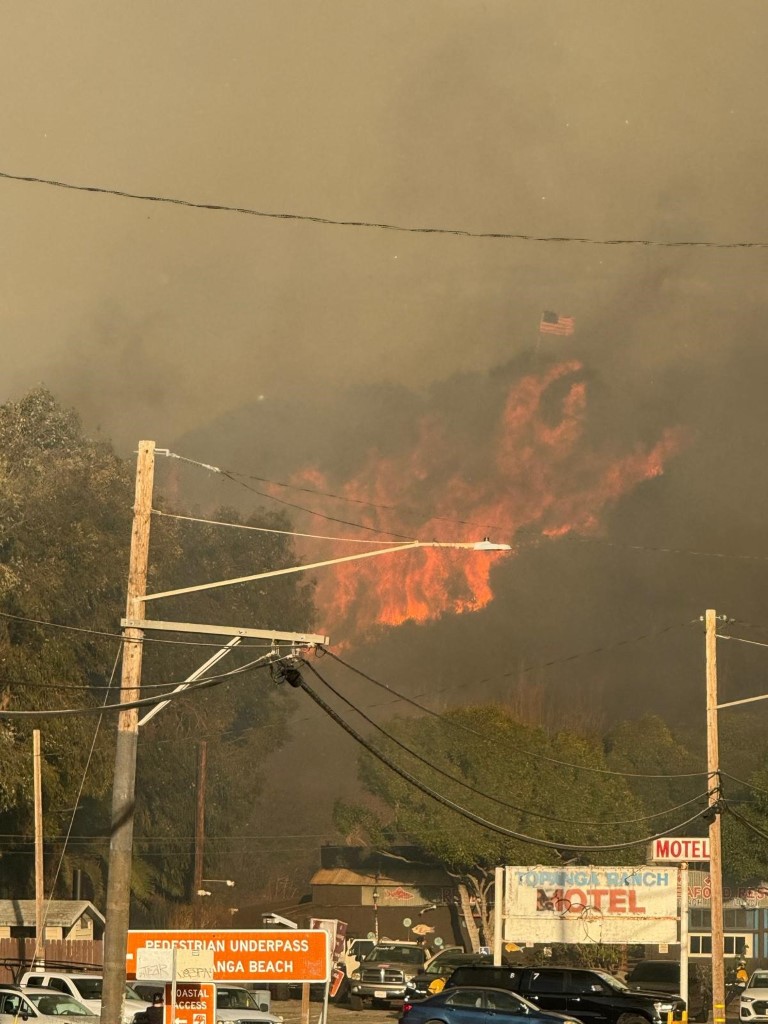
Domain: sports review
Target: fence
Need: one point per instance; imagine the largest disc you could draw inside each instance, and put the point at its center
(16, 956)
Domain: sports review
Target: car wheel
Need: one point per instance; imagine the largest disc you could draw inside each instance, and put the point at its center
(355, 1003)
(632, 1018)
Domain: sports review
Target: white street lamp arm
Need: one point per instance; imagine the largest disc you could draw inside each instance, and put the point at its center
(481, 545)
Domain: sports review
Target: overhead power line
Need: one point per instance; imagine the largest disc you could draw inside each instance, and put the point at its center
(142, 702)
(530, 753)
(470, 815)
(377, 225)
(489, 796)
(264, 529)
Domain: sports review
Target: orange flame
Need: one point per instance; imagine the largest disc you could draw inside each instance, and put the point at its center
(537, 478)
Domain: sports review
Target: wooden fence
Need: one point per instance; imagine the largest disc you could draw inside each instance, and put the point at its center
(58, 954)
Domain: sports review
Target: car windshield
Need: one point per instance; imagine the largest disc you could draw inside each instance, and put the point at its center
(88, 988)
(614, 983)
(758, 980)
(235, 999)
(400, 954)
(54, 1003)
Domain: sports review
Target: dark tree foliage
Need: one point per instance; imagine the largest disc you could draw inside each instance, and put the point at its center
(65, 523)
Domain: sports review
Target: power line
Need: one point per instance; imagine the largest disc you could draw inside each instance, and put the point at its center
(747, 823)
(489, 796)
(264, 529)
(530, 753)
(470, 815)
(202, 684)
(379, 225)
(741, 782)
(119, 636)
(273, 497)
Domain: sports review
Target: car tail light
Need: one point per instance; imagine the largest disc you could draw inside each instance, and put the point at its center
(407, 1007)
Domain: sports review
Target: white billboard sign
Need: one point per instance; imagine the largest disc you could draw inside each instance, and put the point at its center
(590, 904)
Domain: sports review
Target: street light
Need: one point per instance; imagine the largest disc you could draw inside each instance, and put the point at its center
(126, 748)
(480, 545)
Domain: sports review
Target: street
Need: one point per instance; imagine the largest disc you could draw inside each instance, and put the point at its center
(290, 1010)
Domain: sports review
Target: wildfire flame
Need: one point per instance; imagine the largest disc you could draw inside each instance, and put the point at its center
(540, 476)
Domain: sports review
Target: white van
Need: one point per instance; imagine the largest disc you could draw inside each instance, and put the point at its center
(85, 987)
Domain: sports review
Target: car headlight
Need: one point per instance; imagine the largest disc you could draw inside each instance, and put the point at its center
(663, 1007)
(356, 975)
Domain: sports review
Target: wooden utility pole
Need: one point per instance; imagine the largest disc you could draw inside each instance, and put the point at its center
(39, 876)
(715, 846)
(202, 756)
(124, 783)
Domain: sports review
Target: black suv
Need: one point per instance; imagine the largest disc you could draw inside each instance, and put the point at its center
(593, 997)
(664, 976)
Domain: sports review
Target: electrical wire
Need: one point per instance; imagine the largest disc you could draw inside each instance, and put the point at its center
(142, 702)
(382, 226)
(470, 815)
(264, 529)
(740, 639)
(530, 753)
(489, 796)
(741, 782)
(747, 823)
(273, 497)
(119, 636)
(39, 939)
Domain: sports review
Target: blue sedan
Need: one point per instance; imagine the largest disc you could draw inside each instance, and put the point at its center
(478, 1006)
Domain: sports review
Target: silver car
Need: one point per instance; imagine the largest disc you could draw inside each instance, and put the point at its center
(44, 1006)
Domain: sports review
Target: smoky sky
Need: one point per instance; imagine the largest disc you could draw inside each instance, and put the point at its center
(268, 345)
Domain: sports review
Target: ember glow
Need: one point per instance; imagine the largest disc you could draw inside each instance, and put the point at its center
(539, 475)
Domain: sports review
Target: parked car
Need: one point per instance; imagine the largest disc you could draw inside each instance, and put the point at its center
(86, 988)
(432, 979)
(594, 997)
(471, 1005)
(43, 1007)
(383, 975)
(753, 1003)
(664, 976)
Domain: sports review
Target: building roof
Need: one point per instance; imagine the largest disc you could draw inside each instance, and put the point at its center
(58, 913)
(417, 875)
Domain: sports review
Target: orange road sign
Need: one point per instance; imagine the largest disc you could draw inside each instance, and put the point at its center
(195, 1004)
(256, 955)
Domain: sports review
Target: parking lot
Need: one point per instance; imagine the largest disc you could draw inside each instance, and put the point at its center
(290, 1010)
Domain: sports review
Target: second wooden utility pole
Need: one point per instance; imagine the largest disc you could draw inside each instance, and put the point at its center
(715, 846)
(39, 874)
(124, 782)
(197, 885)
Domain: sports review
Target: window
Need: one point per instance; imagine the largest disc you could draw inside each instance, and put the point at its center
(504, 1001)
(548, 981)
(733, 945)
(35, 981)
(584, 984)
(58, 984)
(465, 997)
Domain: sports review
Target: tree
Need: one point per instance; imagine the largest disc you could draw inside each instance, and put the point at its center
(494, 756)
(65, 522)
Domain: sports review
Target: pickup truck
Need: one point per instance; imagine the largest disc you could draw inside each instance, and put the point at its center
(384, 974)
(593, 997)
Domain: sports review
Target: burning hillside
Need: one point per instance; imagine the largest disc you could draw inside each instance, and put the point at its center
(540, 473)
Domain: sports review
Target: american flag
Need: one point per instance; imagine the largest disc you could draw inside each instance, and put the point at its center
(553, 323)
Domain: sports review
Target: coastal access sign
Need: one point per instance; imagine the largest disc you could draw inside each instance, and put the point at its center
(257, 955)
(590, 904)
